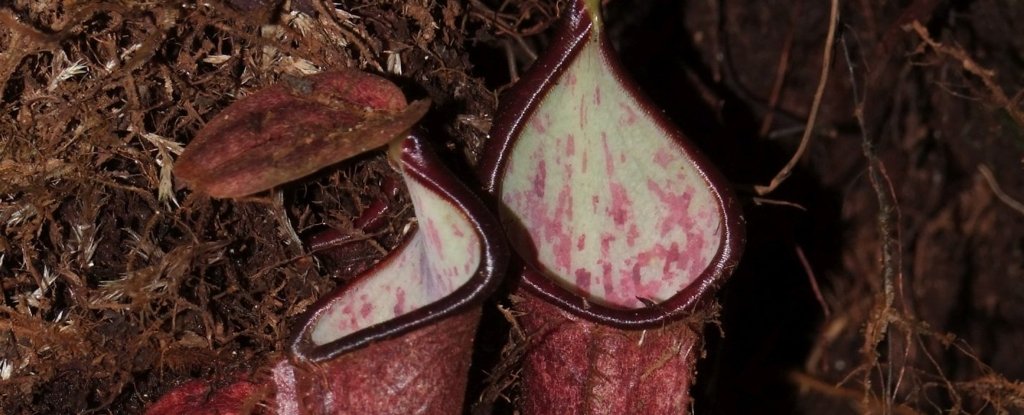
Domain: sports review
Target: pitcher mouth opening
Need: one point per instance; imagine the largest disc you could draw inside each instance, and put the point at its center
(451, 259)
(616, 216)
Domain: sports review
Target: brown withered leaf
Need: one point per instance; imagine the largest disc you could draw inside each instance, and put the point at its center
(293, 129)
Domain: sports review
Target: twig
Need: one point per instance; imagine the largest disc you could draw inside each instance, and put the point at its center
(879, 326)
(814, 282)
(826, 65)
(1005, 198)
(889, 219)
(282, 217)
(723, 71)
(997, 390)
(955, 397)
(485, 13)
(819, 386)
(780, 71)
(987, 75)
(766, 201)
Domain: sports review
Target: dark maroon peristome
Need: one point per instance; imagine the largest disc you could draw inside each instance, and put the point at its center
(590, 358)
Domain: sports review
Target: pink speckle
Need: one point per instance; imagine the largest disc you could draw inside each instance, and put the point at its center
(546, 218)
(400, 303)
(606, 279)
(636, 279)
(597, 95)
(583, 112)
(435, 238)
(606, 243)
(670, 255)
(631, 282)
(539, 179)
(582, 278)
(345, 324)
(675, 208)
(609, 166)
(563, 241)
(694, 247)
(663, 157)
(563, 258)
(621, 205)
(632, 235)
(581, 242)
(563, 210)
(628, 116)
(539, 125)
(570, 79)
(583, 163)
(673, 255)
(457, 231)
(570, 145)
(366, 310)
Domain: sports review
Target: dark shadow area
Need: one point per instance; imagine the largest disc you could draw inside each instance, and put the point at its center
(769, 312)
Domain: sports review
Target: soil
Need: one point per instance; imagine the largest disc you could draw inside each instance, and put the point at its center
(885, 274)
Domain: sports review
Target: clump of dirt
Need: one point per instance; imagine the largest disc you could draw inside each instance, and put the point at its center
(882, 276)
(117, 283)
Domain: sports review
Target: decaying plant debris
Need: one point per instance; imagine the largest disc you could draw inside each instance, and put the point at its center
(882, 276)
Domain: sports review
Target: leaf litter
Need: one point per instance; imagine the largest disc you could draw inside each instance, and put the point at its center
(119, 284)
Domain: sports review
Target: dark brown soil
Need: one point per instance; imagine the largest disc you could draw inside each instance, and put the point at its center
(884, 275)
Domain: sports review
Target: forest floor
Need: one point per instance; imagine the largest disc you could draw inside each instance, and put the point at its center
(884, 275)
